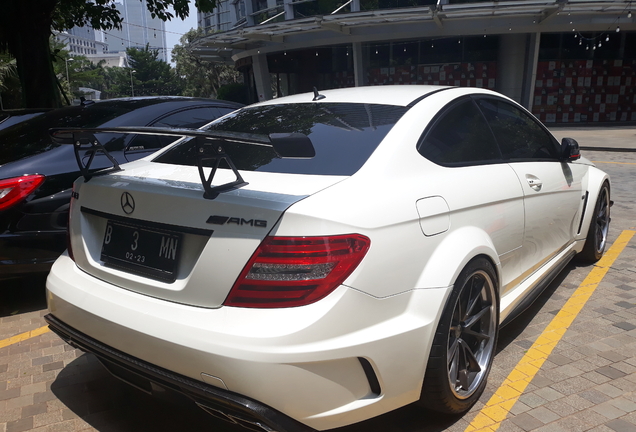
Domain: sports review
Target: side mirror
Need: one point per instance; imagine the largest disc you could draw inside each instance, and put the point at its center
(570, 149)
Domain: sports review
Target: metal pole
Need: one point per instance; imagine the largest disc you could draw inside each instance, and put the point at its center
(66, 60)
(132, 89)
(67, 80)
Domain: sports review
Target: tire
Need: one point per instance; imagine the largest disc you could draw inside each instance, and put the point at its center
(464, 343)
(599, 228)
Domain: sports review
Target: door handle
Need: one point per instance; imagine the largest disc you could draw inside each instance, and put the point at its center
(534, 182)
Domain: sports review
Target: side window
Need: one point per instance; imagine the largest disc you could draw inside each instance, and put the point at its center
(460, 137)
(519, 136)
(190, 119)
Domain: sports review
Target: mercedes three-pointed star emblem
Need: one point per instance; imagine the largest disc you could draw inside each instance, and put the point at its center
(127, 203)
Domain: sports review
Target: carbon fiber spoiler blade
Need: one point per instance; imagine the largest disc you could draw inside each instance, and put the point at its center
(210, 151)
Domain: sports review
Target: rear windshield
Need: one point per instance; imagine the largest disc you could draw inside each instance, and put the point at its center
(343, 134)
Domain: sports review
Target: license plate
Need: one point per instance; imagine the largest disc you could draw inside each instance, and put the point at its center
(142, 251)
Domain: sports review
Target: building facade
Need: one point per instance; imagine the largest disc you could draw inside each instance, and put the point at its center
(138, 29)
(568, 61)
(81, 41)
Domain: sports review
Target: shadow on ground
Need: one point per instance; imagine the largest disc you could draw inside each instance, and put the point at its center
(18, 296)
(109, 405)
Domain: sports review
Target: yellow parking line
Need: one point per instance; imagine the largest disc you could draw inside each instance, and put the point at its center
(497, 408)
(23, 336)
(619, 163)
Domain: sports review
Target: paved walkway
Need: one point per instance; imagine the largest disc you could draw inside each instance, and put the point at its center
(600, 138)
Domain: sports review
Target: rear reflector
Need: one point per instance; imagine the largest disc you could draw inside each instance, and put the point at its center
(14, 190)
(296, 271)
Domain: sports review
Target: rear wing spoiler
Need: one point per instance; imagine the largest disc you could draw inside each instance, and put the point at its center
(210, 149)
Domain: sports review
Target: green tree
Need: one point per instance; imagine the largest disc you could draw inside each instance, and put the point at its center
(73, 72)
(116, 82)
(201, 78)
(151, 76)
(25, 27)
(7, 74)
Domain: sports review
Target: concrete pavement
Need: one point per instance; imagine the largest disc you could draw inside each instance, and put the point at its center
(606, 138)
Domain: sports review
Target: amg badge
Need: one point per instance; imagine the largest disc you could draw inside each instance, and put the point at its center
(227, 220)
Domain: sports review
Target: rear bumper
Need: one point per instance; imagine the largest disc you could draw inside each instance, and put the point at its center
(344, 359)
(221, 403)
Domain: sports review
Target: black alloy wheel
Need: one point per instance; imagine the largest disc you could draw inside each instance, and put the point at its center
(464, 343)
(599, 227)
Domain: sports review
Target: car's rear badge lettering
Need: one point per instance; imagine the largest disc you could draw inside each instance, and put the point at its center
(227, 220)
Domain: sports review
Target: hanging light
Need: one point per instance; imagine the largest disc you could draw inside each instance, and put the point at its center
(600, 44)
(581, 41)
(593, 47)
(607, 38)
(459, 41)
(618, 29)
(587, 47)
(576, 35)
(629, 14)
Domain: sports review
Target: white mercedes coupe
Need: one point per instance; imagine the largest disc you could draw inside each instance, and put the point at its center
(316, 260)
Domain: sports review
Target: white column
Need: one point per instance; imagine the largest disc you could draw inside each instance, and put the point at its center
(511, 65)
(289, 9)
(249, 10)
(358, 64)
(261, 77)
(530, 77)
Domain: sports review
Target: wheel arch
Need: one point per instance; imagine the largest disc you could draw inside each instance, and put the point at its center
(453, 253)
(596, 179)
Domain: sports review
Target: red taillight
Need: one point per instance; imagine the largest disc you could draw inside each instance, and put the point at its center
(14, 190)
(296, 271)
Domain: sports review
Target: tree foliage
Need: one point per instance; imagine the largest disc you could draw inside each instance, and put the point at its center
(152, 76)
(201, 78)
(25, 27)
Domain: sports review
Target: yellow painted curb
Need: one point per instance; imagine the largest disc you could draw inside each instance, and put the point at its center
(496, 409)
(23, 336)
(618, 163)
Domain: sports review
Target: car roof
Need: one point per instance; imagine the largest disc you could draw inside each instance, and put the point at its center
(153, 100)
(399, 95)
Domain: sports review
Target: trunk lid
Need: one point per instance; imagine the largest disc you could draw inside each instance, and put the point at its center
(202, 244)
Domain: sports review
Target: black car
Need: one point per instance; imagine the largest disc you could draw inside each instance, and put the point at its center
(36, 174)
(11, 117)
